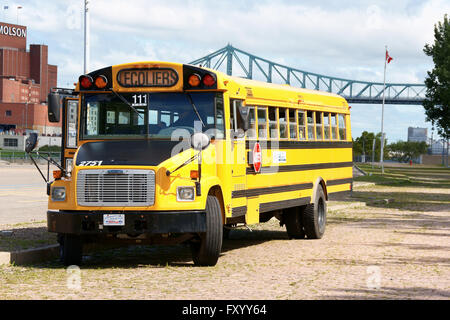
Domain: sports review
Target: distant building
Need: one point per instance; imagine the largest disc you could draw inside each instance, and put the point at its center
(417, 134)
(25, 81)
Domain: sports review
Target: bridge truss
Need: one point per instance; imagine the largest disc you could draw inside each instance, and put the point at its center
(228, 59)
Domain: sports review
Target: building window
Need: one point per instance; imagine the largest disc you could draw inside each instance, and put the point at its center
(10, 142)
(8, 113)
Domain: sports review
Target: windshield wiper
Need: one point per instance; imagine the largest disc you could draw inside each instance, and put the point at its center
(127, 103)
(195, 109)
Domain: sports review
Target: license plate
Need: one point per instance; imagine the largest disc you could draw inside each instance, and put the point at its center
(113, 219)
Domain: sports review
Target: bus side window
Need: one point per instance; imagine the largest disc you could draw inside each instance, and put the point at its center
(283, 123)
(319, 124)
(342, 127)
(292, 125)
(262, 122)
(334, 126)
(310, 117)
(273, 127)
(326, 125)
(251, 132)
(301, 125)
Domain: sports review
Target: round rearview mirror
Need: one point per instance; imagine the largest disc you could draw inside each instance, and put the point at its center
(200, 141)
(31, 142)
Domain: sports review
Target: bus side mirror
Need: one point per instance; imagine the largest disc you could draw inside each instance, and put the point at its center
(200, 141)
(54, 107)
(31, 142)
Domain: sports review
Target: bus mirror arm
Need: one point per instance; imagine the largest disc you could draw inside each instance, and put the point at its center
(49, 161)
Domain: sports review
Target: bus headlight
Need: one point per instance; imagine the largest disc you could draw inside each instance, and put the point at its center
(185, 193)
(58, 193)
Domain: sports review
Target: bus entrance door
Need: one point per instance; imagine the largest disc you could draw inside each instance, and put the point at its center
(238, 174)
(238, 166)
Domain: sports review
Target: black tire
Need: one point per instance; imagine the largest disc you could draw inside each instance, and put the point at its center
(315, 216)
(293, 219)
(71, 249)
(206, 252)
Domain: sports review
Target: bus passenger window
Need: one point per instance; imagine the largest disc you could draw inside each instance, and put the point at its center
(251, 132)
(310, 117)
(301, 125)
(273, 128)
(334, 126)
(262, 122)
(283, 123)
(319, 126)
(342, 127)
(326, 126)
(292, 124)
(92, 118)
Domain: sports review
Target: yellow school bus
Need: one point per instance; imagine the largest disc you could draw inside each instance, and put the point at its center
(168, 153)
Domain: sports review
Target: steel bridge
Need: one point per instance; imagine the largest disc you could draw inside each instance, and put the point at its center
(229, 58)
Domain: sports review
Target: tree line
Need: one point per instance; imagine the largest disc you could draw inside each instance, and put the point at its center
(402, 151)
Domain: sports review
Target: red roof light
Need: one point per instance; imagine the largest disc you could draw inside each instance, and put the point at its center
(209, 80)
(86, 82)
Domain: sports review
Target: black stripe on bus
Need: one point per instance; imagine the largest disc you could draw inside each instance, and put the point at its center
(269, 190)
(301, 167)
(277, 205)
(238, 211)
(339, 181)
(268, 144)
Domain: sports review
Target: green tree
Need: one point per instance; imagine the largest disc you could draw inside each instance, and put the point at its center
(405, 151)
(437, 99)
(366, 140)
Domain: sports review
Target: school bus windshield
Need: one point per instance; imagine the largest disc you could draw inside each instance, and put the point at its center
(151, 115)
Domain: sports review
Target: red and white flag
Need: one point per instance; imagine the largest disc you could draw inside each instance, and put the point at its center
(388, 57)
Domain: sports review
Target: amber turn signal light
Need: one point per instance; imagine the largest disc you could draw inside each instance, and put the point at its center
(57, 174)
(194, 80)
(194, 174)
(101, 82)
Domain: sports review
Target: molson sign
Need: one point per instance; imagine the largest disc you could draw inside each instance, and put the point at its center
(13, 31)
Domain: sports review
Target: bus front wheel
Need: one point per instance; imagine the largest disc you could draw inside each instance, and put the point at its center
(315, 216)
(206, 251)
(71, 247)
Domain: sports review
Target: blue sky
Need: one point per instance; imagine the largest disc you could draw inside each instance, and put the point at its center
(344, 39)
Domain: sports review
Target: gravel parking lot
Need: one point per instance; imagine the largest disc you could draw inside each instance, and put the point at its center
(389, 241)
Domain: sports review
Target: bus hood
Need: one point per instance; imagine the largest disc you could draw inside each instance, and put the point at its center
(129, 152)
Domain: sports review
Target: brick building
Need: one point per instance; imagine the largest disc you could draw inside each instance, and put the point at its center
(25, 80)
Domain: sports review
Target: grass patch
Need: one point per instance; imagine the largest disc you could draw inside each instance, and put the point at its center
(431, 177)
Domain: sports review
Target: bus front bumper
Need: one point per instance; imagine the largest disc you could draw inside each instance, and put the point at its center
(148, 222)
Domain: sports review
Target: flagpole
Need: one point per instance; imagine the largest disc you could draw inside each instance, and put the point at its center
(382, 113)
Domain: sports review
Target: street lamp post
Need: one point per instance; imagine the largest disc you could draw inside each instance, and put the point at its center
(86, 37)
(18, 8)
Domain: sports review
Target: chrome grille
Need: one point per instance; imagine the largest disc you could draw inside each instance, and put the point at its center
(111, 188)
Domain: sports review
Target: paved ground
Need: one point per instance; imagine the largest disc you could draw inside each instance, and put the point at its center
(389, 241)
(23, 194)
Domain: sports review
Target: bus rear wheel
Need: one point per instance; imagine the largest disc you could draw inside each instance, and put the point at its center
(293, 219)
(315, 216)
(71, 249)
(206, 251)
